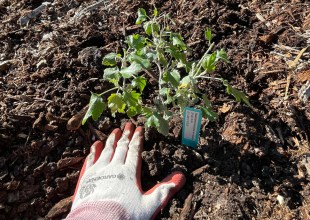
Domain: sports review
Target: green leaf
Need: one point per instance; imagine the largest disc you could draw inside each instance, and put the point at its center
(163, 127)
(139, 82)
(178, 55)
(96, 107)
(133, 69)
(187, 81)
(134, 110)
(136, 41)
(112, 75)
(150, 28)
(147, 111)
(156, 120)
(177, 40)
(182, 102)
(132, 98)
(166, 93)
(140, 59)
(110, 59)
(152, 121)
(151, 56)
(116, 104)
(208, 34)
(161, 57)
(209, 114)
(209, 62)
(206, 101)
(222, 55)
(239, 95)
(155, 12)
(141, 16)
(173, 77)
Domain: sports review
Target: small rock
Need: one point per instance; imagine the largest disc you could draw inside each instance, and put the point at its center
(304, 92)
(41, 63)
(280, 199)
(305, 164)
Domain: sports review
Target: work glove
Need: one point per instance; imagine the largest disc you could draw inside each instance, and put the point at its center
(109, 186)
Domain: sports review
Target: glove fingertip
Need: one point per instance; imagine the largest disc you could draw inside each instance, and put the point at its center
(96, 148)
(178, 178)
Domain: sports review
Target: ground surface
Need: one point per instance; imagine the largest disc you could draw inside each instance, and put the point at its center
(250, 164)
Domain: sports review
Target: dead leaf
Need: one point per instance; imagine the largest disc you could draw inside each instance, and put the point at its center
(225, 108)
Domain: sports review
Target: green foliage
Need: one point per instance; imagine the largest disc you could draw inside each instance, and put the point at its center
(166, 50)
(239, 96)
(141, 16)
(96, 107)
(208, 35)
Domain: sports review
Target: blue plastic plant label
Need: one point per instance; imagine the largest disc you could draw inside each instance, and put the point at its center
(191, 126)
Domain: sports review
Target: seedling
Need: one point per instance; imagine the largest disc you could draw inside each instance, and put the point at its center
(164, 49)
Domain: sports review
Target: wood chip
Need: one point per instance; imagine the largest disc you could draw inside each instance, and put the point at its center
(50, 127)
(69, 161)
(267, 38)
(303, 76)
(200, 170)
(187, 207)
(294, 63)
(63, 206)
(98, 134)
(33, 14)
(225, 108)
(75, 122)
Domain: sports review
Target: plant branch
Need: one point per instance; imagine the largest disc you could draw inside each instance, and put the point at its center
(151, 74)
(200, 61)
(107, 91)
(209, 77)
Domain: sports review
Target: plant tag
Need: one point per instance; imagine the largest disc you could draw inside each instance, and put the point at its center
(191, 126)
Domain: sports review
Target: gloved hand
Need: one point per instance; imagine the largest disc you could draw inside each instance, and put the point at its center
(109, 186)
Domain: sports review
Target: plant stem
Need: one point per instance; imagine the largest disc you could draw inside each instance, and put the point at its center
(159, 80)
(108, 91)
(200, 61)
(151, 74)
(209, 77)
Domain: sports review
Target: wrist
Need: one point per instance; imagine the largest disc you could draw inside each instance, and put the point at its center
(108, 210)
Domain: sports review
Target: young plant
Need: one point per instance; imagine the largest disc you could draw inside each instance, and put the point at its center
(164, 49)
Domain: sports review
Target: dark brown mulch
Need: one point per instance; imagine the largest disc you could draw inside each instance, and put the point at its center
(253, 163)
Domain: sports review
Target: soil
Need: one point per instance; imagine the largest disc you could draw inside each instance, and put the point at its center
(253, 163)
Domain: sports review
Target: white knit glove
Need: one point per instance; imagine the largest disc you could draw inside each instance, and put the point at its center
(109, 185)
